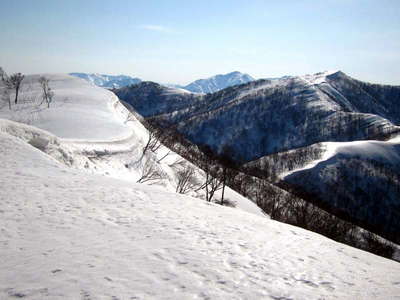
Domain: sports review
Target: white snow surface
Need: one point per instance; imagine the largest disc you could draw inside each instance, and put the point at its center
(369, 149)
(79, 110)
(67, 234)
(317, 78)
(174, 91)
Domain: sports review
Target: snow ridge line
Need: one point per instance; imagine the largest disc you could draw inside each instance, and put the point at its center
(117, 146)
(331, 148)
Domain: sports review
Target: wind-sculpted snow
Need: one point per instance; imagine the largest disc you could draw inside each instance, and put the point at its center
(66, 234)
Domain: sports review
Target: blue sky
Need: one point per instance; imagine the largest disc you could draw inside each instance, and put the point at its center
(179, 41)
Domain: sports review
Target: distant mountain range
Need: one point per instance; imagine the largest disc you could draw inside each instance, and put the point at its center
(209, 85)
(108, 81)
(283, 122)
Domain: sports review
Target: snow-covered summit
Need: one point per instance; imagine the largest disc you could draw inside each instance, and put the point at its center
(318, 78)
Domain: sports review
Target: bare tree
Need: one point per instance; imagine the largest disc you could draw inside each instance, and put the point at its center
(153, 142)
(14, 81)
(214, 184)
(150, 172)
(2, 74)
(185, 179)
(47, 93)
(228, 166)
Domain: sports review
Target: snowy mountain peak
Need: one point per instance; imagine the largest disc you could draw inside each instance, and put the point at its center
(319, 77)
(218, 82)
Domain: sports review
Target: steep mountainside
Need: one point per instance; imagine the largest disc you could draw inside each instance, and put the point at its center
(108, 81)
(150, 98)
(218, 82)
(268, 116)
(360, 179)
(280, 126)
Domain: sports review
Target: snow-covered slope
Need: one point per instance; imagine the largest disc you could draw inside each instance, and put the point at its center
(66, 234)
(89, 128)
(79, 110)
(359, 178)
(108, 81)
(218, 82)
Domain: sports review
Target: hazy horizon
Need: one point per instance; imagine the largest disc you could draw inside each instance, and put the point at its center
(178, 42)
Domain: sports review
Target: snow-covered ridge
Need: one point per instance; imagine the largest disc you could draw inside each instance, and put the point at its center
(370, 149)
(317, 78)
(87, 127)
(175, 90)
(107, 81)
(78, 111)
(66, 234)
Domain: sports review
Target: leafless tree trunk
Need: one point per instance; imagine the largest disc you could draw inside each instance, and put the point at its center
(2, 74)
(168, 153)
(214, 184)
(15, 81)
(153, 142)
(47, 93)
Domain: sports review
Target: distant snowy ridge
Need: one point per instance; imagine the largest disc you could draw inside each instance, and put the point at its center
(209, 85)
(107, 81)
(218, 82)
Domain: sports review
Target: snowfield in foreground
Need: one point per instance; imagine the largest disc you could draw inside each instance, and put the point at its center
(66, 234)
